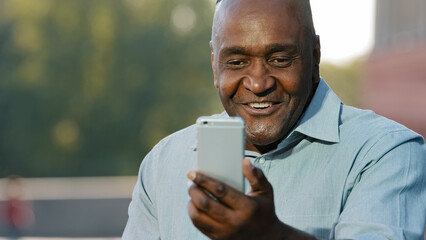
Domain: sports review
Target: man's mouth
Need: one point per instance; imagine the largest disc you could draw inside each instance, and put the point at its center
(261, 108)
(261, 105)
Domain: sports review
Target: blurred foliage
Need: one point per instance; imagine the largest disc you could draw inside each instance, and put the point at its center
(87, 87)
(345, 80)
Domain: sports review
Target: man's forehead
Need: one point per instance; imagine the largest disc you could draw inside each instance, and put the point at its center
(250, 14)
(287, 12)
(232, 10)
(226, 3)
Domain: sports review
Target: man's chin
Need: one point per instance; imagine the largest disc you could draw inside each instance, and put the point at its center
(263, 140)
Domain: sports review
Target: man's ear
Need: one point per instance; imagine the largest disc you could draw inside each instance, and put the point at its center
(215, 82)
(317, 59)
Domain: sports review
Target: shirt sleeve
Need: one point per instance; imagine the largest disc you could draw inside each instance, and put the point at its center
(388, 198)
(142, 222)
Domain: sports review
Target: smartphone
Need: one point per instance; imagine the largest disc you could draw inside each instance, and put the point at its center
(220, 149)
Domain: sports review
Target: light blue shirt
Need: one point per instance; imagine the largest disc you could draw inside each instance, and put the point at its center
(342, 173)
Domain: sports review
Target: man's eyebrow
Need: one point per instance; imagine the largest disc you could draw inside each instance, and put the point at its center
(289, 48)
(234, 51)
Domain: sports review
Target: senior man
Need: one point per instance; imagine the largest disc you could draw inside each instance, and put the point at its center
(316, 168)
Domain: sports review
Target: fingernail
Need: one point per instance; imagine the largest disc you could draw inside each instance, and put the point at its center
(191, 175)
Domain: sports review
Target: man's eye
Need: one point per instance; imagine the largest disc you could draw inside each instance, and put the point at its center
(236, 64)
(281, 61)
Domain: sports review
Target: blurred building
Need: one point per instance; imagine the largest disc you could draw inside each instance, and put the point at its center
(396, 70)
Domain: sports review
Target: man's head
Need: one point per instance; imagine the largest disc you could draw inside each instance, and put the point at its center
(265, 58)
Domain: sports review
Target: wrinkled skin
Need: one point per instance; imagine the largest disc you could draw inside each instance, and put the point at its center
(265, 62)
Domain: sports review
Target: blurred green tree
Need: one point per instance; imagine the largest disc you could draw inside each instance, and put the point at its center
(87, 87)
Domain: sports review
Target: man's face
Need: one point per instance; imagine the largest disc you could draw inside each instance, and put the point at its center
(263, 63)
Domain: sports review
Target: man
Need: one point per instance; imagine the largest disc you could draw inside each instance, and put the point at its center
(322, 169)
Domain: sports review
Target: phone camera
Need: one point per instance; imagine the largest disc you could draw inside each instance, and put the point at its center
(205, 123)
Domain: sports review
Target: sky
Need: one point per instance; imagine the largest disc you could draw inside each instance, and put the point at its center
(346, 28)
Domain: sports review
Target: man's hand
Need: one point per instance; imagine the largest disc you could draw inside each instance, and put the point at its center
(234, 215)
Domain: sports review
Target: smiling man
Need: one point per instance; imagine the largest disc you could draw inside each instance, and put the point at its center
(265, 59)
(316, 168)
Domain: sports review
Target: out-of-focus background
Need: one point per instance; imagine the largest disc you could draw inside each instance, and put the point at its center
(87, 87)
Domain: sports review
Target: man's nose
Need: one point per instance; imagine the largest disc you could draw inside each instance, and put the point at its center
(258, 79)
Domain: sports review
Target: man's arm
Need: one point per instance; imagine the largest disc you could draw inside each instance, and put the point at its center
(142, 222)
(235, 215)
(388, 195)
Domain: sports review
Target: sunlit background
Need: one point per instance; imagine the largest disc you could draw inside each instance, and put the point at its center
(87, 87)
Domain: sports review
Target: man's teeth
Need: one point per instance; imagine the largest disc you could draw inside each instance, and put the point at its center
(260, 105)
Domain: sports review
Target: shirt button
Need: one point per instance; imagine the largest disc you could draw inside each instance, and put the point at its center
(262, 160)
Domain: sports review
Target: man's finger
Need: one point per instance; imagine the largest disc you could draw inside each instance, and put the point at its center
(224, 193)
(206, 204)
(256, 178)
(203, 222)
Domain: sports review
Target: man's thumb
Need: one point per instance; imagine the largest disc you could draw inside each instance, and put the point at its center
(256, 178)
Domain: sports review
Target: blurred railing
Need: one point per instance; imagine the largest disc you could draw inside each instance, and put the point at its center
(72, 207)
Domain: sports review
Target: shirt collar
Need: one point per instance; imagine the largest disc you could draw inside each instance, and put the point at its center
(321, 118)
